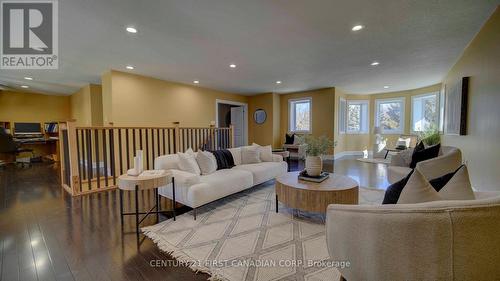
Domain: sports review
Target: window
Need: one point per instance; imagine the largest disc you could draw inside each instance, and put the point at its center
(357, 117)
(342, 115)
(300, 115)
(389, 115)
(425, 112)
(441, 109)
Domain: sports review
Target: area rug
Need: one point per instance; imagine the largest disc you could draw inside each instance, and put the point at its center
(375, 160)
(241, 237)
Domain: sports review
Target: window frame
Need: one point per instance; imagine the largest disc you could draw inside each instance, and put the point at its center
(291, 115)
(366, 122)
(401, 128)
(342, 122)
(437, 95)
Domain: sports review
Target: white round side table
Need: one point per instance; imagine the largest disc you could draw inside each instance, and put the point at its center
(143, 182)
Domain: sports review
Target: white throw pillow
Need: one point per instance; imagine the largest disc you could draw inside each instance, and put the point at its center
(236, 152)
(266, 152)
(187, 162)
(207, 162)
(250, 155)
(458, 187)
(418, 190)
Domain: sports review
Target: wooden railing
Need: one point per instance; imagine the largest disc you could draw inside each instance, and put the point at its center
(92, 158)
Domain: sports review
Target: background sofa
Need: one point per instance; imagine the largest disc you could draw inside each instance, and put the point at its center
(196, 190)
(440, 240)
(449, 159)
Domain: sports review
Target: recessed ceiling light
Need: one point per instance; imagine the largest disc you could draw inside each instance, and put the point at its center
(129, 67)
(131, 29)
(386, 87)
(196, 82)
(357, 27)
(278, 82)
(375, 63)
(24, 86)
(28, 78)
(232, 65)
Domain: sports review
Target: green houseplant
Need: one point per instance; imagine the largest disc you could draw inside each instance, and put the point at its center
(430, 136)
(316, 147)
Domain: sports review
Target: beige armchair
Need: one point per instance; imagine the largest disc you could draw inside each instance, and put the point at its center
(440, 240)
(449, 159)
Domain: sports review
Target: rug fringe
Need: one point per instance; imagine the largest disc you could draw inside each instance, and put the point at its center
(181, 256)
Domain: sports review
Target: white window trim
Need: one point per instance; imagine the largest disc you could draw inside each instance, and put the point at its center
(342, 122)
(402, 100)
(360, 132)
(438, 109)
(292, 101)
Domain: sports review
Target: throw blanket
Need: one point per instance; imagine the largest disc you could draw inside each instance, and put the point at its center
(224, 159)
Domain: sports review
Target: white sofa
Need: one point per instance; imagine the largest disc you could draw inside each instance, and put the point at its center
(440, 240)
(197, 190)
(449, 159)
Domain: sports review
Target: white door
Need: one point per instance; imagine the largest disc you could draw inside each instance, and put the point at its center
(237, 113)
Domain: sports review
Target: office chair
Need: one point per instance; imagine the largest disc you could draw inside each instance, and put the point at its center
(9, 146)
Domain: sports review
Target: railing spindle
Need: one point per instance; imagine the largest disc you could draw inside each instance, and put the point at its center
(89, 158)
(105, 156)
(120, 149)
(97, 161)
(147, 148)
(78, 159)
(112, 153)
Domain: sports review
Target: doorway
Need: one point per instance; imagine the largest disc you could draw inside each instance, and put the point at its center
(230, 112)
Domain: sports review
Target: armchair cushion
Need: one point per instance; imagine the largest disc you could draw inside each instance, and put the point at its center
(418, 190)
(289, 138)
(393, 192)
(439, 182)
(458, 187)
(424, 154)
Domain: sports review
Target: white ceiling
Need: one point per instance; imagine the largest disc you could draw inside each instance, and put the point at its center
(305, 44)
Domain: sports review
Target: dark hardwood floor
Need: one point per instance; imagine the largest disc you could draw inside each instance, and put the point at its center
(47, 235)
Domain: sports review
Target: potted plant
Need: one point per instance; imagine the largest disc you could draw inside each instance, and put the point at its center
(430, 136)
(316, 147)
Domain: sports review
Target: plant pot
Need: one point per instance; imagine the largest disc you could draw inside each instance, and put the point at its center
(314, 165)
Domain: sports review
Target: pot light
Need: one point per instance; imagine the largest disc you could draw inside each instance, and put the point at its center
(232, 65)
(131, 29)
(28, 78)
(375, 63)
(357, 27)
(278, 82)
(129, 67)
(386, 87)
(196, 82)
(24, 87)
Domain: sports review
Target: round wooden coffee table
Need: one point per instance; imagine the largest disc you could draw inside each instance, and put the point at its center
(315, 197)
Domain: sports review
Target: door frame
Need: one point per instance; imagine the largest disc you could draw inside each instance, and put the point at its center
(245, 116)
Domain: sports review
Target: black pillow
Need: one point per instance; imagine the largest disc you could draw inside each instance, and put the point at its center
(224, 159)
(425, 154)
(394, 190)
(439, 183)
(289, 139)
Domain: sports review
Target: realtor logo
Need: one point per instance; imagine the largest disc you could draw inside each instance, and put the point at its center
(29, 35)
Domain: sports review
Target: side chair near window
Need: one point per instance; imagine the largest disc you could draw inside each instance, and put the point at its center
(9, 147)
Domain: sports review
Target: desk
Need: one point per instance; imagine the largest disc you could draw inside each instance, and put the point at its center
(41, 146)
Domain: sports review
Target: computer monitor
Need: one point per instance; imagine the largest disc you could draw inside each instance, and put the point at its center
(27, 129)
